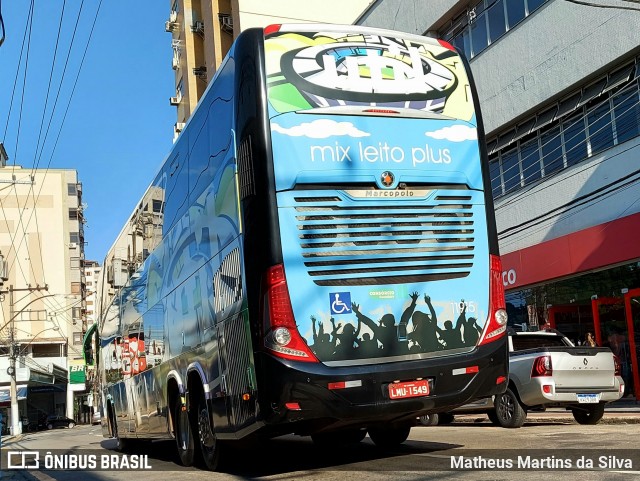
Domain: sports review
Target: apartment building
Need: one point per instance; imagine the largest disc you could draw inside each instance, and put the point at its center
(202, 32)
(558, 89)
(42, 300)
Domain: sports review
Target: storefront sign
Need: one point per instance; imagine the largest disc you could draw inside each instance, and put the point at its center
(603, 245)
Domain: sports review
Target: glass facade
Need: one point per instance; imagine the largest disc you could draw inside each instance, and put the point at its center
(603, 121)
(594, 302)
(480, 26)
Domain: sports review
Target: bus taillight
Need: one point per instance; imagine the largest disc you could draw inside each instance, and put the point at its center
(282, 336)
(273, 28)
(497, 307)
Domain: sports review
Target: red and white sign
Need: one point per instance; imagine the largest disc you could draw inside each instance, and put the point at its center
(596, 247)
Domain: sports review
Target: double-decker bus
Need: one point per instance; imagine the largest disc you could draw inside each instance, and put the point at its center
(318, 251)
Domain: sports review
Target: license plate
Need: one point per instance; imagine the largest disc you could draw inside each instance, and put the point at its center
(588, 398)
(402, 390)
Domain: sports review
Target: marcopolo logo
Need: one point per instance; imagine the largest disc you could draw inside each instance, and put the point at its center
(387, 178)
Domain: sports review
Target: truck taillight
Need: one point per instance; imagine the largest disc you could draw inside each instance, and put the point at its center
(542, 367)
(497, 324)
(281, 333)
(617, 366)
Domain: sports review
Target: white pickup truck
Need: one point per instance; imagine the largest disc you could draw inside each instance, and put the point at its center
(547, 370)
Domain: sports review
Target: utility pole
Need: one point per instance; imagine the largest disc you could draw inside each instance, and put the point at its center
(13, 354)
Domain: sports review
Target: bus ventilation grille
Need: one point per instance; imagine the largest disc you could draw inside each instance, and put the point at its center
(350, 243)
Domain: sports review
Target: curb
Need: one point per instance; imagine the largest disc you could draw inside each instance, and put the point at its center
(549, 418)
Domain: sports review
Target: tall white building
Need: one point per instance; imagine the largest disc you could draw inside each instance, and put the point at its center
(558, 89)
(42, 310)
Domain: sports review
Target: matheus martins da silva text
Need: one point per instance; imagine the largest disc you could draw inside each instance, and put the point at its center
(547, 462)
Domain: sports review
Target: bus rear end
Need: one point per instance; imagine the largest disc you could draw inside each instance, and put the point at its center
(386, 301)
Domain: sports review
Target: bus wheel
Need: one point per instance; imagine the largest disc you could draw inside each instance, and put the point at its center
(184, 435)
(389, 436)
(209, 444)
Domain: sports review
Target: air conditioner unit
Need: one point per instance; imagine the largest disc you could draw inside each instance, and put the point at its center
(171, 26)
(173, 16)
(175, 63)
(226, 22)
(174, 101)
(198, 27)
(73, 245)
(179, 126)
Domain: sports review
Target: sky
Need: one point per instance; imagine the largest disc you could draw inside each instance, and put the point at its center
(107, 116)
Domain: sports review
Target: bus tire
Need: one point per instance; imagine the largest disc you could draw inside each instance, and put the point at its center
(209, 444)
(509, 411)
(389, 436)
(589, 415)
(184, 436)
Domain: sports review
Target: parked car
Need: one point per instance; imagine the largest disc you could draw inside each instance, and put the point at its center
(547, 370)
(54, 421)
(96, 417)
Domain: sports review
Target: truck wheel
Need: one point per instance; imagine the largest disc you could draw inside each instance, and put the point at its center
(589, 415)
(429, 420)
(184, 435)
(389, 437)
(509, 411)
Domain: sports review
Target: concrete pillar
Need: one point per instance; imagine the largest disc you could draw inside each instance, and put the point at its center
(70, 401)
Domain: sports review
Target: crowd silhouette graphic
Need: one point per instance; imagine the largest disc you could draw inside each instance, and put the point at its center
(390, 339)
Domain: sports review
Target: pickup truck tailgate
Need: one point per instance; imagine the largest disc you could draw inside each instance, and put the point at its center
(582, 368)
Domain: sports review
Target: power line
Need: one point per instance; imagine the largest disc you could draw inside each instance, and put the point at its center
(615, 7)
(15, 80)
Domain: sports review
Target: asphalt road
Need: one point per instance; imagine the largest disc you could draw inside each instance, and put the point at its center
(470, 450)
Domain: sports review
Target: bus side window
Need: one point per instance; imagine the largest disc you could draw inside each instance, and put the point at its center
(177, 193)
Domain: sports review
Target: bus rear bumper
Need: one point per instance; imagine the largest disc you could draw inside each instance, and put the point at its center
(305, 398)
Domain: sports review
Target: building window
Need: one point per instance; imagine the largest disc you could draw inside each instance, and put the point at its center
(585, 124)
(530, 158)
(77, 338)
(515, 12)
(73, 214)
(72, 190)
(626, 111)
(574, 138)
(487, 21)
(74, 237)
(48, 350)
(510, 170)
(157, 206)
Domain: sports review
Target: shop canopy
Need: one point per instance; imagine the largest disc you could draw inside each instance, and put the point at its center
(5, 393)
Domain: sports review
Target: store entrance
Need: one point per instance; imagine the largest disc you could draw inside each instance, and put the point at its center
(617, 324)
(572, 320)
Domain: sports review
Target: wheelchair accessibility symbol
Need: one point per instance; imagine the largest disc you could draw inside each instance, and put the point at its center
(340, 302)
